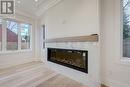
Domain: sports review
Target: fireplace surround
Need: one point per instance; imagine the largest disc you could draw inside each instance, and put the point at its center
(76, 59)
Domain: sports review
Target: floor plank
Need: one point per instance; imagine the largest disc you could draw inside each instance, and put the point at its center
(34, 74)
(21, 67)
(60, 81)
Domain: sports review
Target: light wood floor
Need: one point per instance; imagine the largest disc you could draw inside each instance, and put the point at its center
(60, 81)
(34, 74)
(18, 68)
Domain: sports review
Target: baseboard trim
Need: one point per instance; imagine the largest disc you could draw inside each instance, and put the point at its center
(114, 83)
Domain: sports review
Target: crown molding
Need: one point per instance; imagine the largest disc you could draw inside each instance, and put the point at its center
(24, 14)
(46, 6)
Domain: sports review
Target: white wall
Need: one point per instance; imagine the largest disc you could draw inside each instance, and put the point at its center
(14, 58)
(75, 18)
(114, 72)
(72, 18)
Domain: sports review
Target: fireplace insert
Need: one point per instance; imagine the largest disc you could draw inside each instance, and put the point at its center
(76, 59)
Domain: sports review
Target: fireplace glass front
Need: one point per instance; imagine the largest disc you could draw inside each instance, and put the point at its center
(76, 59)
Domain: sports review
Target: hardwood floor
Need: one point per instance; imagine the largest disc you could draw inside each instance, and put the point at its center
(34, 74)
(60, 81)
(18, 68)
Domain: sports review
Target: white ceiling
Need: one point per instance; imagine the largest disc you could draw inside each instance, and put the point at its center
(34, 8)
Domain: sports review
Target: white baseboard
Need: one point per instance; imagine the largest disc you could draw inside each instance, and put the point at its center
(114, 83)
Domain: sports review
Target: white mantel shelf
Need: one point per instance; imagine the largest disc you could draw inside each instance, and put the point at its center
(87, 38)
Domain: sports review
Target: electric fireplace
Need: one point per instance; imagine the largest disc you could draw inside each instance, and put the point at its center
(76, 59)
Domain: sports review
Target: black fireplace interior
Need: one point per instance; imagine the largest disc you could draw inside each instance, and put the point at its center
(76, 59)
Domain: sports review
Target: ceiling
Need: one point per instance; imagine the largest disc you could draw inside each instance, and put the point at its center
(34, 8)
